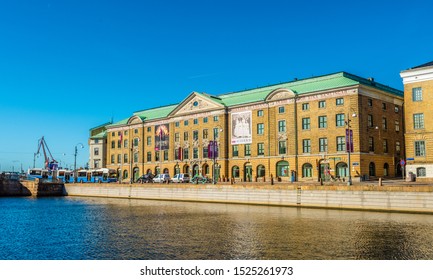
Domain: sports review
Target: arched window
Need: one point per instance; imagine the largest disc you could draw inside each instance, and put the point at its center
(235, 171)
(372, 169)
(136, 173)
(186, 168)
(341, 171)
(261, 171)
(157, 170)
(125, 174)
(205, 169)
(149, 171)
(386, 169)
(420, 172)
(307, 170)
(283, 169)
(176, 169)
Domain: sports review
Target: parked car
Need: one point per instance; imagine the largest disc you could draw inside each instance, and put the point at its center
(181, 178)
(146, 178)
(162, 178)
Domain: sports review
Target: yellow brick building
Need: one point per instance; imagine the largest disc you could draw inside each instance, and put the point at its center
(418, 104)
(289, 131)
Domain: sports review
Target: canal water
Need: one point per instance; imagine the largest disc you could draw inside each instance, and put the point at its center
(106, 229)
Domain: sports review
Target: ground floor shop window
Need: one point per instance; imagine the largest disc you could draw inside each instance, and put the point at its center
(283, 169)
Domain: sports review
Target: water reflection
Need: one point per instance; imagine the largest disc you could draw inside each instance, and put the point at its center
(89, 228)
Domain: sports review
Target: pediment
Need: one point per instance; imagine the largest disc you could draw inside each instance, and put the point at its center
(135, 120)
(280, 94)
(196, 103)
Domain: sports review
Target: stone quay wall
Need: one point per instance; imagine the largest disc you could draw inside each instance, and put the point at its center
(417, 199)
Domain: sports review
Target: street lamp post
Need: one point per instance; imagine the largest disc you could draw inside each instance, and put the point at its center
(214, 150)
(75, 160)
(349, 145)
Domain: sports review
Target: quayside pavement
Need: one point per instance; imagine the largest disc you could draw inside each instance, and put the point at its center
(391, 196)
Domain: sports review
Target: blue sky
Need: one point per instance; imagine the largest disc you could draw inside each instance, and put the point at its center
(67, 66)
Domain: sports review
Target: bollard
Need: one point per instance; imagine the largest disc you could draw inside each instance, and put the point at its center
(380, 182)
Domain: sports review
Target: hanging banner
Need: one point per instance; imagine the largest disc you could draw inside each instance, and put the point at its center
(349, 140)
(241, 128)
(162, 137)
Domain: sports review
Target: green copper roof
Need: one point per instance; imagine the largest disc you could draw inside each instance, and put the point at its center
(155, 113)
(299, 87)
(332, 81)
(99, 135)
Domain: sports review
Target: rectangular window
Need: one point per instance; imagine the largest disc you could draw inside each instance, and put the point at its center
(119, 158)
(397, 147)
(125, 144)
(323, 145)
(383, 106)
(205, 120)
(341, 143)
(149, 140)
(215, 132)
(195, 153)
(157, 155)
(195, 121)
(397, 126)
(185, 123)
(235, 151)
(96, 151)
(305, 123)
(215, 118)
(260, 128)
(149, 156)
(305, 106)
(112, 158)
(195, 135)
(339, 120)
(281, 126)
(396, 109)
(177, 124)
(419, 148)
(149, 129)
(185, 136)
(176, 137)
(417, 94)
(135, 131)
(370, 144)
(370, 102)
(205, 133)
(282, 147)
(113, 144)
(125, 158)
(385, 145)
(165, 155)
(281, 109)
(339, 101)
(384, 124)
(135, 157)
(247, 149)
(119, 144)
(418, 121)
(260, 149)
(186, 153)
(323, 121)
(370, 120)
(260, 113)
(322, 104)
(205, 151)
(306, 146)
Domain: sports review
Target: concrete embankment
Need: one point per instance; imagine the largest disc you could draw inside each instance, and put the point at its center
(417, 199)
(30, 188)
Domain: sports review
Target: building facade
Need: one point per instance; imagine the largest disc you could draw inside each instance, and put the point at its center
(418, 101)
(311, 129)
(98, 146)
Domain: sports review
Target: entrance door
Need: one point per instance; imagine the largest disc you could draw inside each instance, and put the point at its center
(248, 171)
(324, 173)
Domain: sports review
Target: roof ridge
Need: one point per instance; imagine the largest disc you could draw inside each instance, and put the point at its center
(295, 82)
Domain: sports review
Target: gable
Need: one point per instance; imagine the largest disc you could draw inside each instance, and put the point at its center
(279, 94)
(196, 103)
